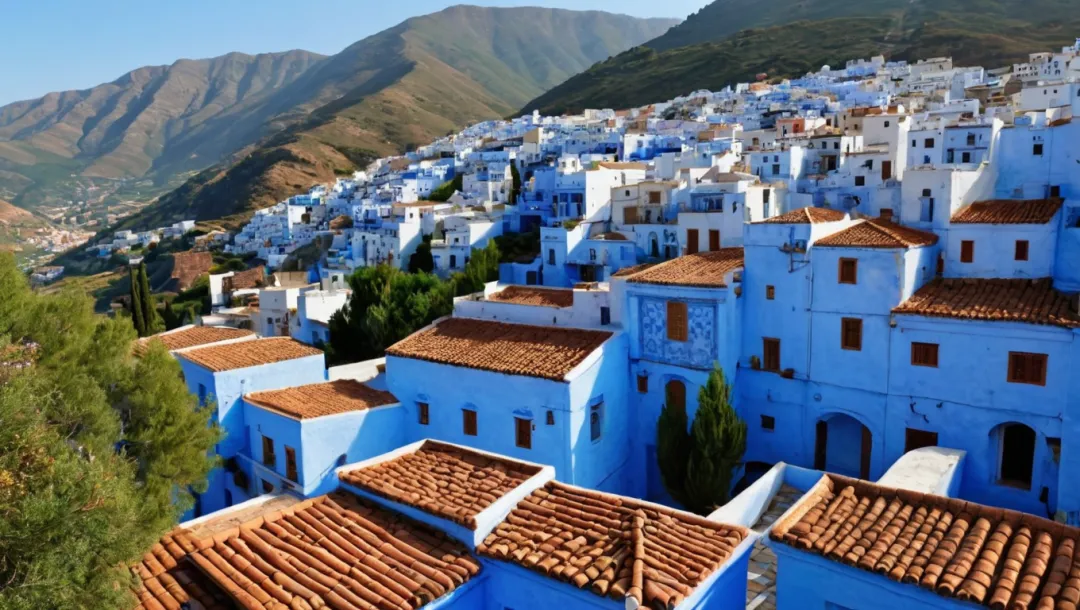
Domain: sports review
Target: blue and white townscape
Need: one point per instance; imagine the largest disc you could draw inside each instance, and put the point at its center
(883, 259)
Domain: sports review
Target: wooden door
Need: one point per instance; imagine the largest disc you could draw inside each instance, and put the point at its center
(691, 241)
(714, 240)
(886, 170)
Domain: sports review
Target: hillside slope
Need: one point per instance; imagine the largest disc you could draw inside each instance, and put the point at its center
(155, 121)
(770, 38)
(399, 89)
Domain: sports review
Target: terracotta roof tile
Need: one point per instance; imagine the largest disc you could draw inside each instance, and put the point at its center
(878, 233)
(807, 215)
(530, 295)
(612, 546)
(962, 550)
(194, 336)
(997, 300)
(702, 270)
(1009, 212)
(188, 266)
(514, 349)
(334, 551)
(628, 271)
(447, 481)
(319, 399)
(622, 165)
(245, 280)
(241, 355)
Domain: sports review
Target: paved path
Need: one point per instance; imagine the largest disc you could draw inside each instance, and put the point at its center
(761, 577)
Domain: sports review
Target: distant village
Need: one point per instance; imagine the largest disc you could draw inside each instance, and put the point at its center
(882, 258)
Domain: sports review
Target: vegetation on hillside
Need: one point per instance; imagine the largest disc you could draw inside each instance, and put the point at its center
(956, 28)
(697, 466)
(99, 450)
(387, 305)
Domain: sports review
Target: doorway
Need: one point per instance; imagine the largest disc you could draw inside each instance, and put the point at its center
(843, 446)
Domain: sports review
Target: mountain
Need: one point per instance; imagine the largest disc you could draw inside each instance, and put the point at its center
(156, 121)
(730, 41)
(398, 89)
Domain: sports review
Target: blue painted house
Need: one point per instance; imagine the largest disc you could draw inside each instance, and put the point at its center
(682, 318)
(223, 374)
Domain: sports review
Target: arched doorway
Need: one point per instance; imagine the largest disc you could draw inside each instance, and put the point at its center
(654, 245)
(675, 395)
(1016, 455)
(843, 446)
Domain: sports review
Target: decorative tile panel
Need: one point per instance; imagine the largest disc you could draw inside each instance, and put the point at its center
(700, 348)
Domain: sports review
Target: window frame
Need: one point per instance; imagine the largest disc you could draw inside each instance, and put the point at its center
(680, 313)
(770, 292)
(854, 263)
(925, 349)
(766, 342)
(423, 413)
(1029, 357)
(967, 251)
(642, 384)
(522, 433)
(1022, 250)
(768, 423)
(856, 325)
(469, 424)
(269, 458)
(291, 468)
(596, 422)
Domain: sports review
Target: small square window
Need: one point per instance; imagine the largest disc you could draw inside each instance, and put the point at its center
(768, 422)
(422, 413)
(967, 251)
(770, 293)
(1021, 253)
(849, 271)
(924, 354)
(860, 180)
(1027, 368)
(1037, 150)
(851, 334)
(929, 143)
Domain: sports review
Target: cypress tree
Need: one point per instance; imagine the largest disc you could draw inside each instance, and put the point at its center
(150, 314)
(717, 444)
(136, 304)
(673, 448)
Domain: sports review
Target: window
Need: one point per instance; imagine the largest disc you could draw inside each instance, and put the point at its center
(642, 383)
(776, 169)
(596, 421)
(551, 256)
(592, 254)
(453, 261)
(676, 321)
(771, 361)
(202, 394)
(523, 433)
(290, 464)
(886, 123)
(654, 196)
(714, 239)
(269, 459)
(422, 413)
(550, 417)
(691, 241)
(1037, 150)
(468, 422)
(605, 316)
(860, 180)
(1017, 459)
(924, 354)
(967, 251)
(929, 143)
(965, 157)
(914, 143)
(917, 439)
(768, 422)
(849, 271)
(1027, 368)
(770, 293)
(971, 139)
(1021, 253)
(851, 333)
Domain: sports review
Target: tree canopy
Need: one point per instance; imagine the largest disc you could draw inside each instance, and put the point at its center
(99, 449)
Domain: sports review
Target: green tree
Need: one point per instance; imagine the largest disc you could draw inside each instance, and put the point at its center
(149, 304)
(422, 260)
(447, 189)
(515, 189)
(136, 303)
(98, 450)
(697, 467)
(483, 267)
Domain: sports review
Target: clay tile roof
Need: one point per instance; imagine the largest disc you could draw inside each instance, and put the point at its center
(319, 399)
(702, 270)
(244, 354)
(997, 300)
(628, 271)
(623, 165)
(612, 546)
(252, 278)
(1009, 212)
(514, 349)
(878, 233)
(446, 481)
(188, 266)
(804, 216)
(962, 550)
(193, 337)
(333, 551)
(530, 295)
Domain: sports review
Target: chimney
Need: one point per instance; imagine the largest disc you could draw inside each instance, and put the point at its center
(886, 214)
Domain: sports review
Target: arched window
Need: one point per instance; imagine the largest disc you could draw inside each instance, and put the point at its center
(1016, 458)
(675, 394)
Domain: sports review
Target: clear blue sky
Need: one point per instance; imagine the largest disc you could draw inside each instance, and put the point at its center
(54, 45)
